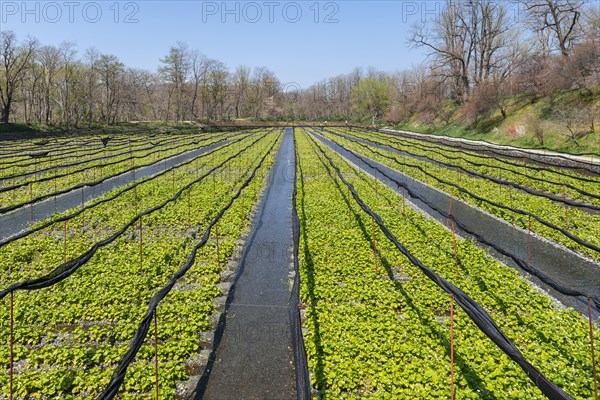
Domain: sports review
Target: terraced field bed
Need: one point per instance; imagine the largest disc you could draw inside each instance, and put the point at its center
(80, 287)
(120, 297)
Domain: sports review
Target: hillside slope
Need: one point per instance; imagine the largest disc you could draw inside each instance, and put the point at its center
(569, 121)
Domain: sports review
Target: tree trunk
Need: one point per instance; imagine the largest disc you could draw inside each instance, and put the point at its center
(6, 111)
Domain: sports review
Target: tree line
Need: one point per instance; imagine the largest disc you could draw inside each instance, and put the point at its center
(478, 56)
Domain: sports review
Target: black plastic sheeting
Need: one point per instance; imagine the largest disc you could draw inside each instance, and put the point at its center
(440, 152)
(114, 196)
(303, 387)
(559, 287)
(493, 203)
(19, 149)
(438, 148)
(66, 269)
(140, 336)
(16, 221)
(80, 155)
(560, 153)
(491, 178)
(64, 149)
(481, 318)
(537, 157)
(97, 182)
(123, 161)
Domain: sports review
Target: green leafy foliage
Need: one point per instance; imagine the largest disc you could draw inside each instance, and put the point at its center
(69, 337)
(376, 327)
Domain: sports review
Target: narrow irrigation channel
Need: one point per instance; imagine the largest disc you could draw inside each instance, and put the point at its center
(557, 262)
(252, 356)
(15, 221)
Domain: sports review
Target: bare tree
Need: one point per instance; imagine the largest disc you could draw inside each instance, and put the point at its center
(15, 62)
(200, 65)
(241, 84)
(556, 20)
(68, 53)
(215, 89)
(175, 70)
(578, 119)
(50, 60)
(110, 70)
(91, 59)
(465, 43)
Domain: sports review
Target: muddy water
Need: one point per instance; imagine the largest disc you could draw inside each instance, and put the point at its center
(253, 355)
(562, 265)
(16, 221)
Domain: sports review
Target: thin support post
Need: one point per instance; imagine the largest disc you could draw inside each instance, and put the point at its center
(403, 201)
(242, 194)
(455, 248)
(189, 207)
(592, 345)
(155, 356)
(374, 245)
(450, 206)
(65, 242)
(31, 203)
(511, 203)
(217, 238)
(452, 347)
(529, 240)
(141, 248)
(11, 350)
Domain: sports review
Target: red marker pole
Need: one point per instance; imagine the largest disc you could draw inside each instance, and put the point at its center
(65, 242)
(11, 347)
(593, 350)
(529, 241)
(452, 347)
(155, 356)
(374, 245)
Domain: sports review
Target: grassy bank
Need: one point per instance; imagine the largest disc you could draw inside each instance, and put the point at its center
(561, 122)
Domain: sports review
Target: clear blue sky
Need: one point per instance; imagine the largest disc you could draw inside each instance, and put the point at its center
(298, 48)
